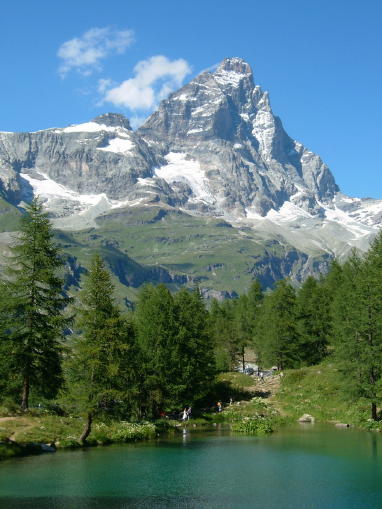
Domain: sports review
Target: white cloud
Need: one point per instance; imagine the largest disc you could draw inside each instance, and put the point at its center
(154, 79)
(85, 53)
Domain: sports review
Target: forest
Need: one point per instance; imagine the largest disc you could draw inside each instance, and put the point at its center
(87, 357)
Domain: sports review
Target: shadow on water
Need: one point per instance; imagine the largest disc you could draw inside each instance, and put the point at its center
(112, 503)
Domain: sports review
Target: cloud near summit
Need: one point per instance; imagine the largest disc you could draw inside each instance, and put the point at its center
(85, 53)
(154, 78)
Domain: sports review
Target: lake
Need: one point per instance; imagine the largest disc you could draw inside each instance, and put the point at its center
(309, 467)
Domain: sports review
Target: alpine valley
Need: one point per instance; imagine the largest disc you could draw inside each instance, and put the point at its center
(210, 190)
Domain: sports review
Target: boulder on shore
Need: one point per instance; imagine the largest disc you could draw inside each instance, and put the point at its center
(306, 418)
(342, 425)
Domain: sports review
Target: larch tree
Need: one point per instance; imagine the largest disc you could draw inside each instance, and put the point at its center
(155, 322)
(35, 307)
(277, 336)
(100, 368)
(194, 352)
(314, 321)
(357, 317)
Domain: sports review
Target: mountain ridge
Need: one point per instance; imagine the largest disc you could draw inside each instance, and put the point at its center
(213, 148)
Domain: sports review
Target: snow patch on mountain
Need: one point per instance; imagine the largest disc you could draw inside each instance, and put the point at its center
(118, 145)
(91, 127)
(48, 189)
(77, 210)
(181, 168)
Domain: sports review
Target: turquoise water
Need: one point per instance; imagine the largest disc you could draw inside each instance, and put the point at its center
(303, 467)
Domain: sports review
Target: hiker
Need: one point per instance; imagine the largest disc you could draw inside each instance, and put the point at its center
(219, 406)
(189, 412)
(184, 416)
(261, 376)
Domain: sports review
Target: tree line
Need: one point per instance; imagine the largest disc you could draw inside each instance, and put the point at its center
(165, 353)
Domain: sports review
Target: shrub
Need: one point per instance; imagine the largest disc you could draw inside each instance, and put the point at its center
(9, 450)
(259, 426)
(122, 432)
(68, 442)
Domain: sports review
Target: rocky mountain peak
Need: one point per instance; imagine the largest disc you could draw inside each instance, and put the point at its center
(113, 120)
(212, 148)
(235, 67)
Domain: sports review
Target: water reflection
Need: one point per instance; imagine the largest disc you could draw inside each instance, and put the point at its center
(317, 468)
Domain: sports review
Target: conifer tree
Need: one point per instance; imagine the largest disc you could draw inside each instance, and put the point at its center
(34, 307)
(155, 320)
(195, 353)
(314, 321)
(100, 369)
(277, 335)
(223, 332)
(247, 310)
(358, 325)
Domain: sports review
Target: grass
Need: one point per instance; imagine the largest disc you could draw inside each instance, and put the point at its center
(321, 391)
(138, 243)
(236, 380)
(65, 431)
(205, 250)
(316, 390)
(9, 216)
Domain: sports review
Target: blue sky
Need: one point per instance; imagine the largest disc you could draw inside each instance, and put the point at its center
(66, 62)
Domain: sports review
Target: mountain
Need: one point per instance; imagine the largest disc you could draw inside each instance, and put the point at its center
(213, 153)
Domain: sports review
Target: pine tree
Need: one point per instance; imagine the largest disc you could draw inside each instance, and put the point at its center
(35, 307)
(314, 321)
(277, 337)
(100, 369)
(247, 311)
(195, 353)
(155, 321)
(223, 332)
(357, 320)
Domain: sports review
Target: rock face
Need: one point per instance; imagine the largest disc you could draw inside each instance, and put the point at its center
(213, 148)
(222, 127)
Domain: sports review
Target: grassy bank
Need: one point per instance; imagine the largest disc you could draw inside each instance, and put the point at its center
(321, 392)
(256, 408)
(22, 435)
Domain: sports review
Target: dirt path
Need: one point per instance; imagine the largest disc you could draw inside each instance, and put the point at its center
(21, 424)
(268, 388)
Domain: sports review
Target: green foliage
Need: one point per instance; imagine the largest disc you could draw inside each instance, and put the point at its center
(123, 432)
(10, 450)
(258, 426)
(321, 391)
(194, 347)
(357, 320)
(9, 217)
(232, 327)
(177, 354)
(277, 336)
(32, 309)
(100, 368)
(314, 321)
(156, 333)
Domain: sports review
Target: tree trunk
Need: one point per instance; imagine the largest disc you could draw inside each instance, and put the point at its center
(87, 428)
(25, 394)
(374, 411)
(243, 358)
